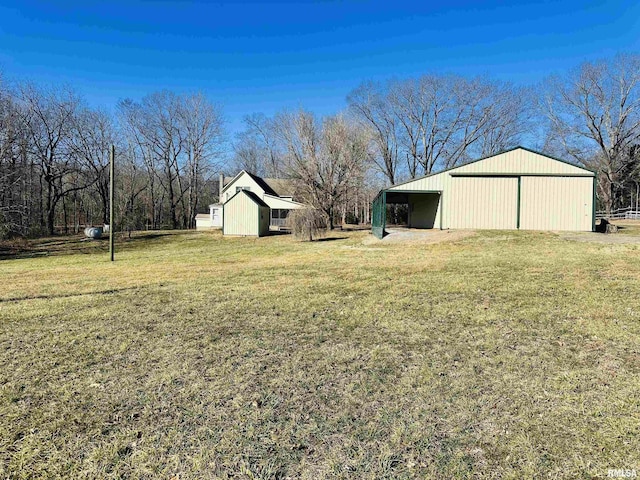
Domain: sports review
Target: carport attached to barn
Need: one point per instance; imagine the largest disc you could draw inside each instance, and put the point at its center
(515, 189)
(423, 208)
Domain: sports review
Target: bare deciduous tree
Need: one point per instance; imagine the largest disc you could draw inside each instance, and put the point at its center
(177, 137)
(13, 166)
(248, 154)
(510, 117)
(370, 106)
(438, 121)
(257, 149)
(324, 158)
(48, 117)
(91, 136)
(449, 119)
(203, 126)
(594, 114)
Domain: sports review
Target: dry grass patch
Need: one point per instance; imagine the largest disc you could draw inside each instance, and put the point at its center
(503, 355)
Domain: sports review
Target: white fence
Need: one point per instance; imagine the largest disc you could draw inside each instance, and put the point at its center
(627, 213)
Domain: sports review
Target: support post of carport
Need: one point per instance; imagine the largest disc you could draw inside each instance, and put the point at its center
(441, 207)
(519, 203)
(379, 214)
(593, 202)
(384, 211)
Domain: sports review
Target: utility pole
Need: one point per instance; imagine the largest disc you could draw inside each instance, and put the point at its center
(112, 160)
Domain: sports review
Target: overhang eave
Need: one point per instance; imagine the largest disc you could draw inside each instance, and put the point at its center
(402, 196)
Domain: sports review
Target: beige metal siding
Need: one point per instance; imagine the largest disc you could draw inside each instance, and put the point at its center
(484, 202)
(241, 216)
(434, 182)
(515, 162)
(521, 161)
(556, 203)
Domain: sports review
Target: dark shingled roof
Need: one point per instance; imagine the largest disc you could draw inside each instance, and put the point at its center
(264, 185)
(284, 187)
(253, 197)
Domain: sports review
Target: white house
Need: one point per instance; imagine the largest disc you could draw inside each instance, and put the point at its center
(263, 190)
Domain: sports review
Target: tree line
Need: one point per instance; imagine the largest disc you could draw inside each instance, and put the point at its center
(589, 115)
(54, 147)
(54, 159)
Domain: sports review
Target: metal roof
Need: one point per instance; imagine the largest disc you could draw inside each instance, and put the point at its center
(490, 156)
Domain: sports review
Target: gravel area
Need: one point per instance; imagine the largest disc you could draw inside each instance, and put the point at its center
(416, 235)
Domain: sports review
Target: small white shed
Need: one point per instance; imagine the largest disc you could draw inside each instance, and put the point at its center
(245, 214)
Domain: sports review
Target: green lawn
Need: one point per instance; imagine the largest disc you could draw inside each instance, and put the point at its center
(500, 355)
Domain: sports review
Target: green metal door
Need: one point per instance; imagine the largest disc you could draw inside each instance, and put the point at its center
(379, 214)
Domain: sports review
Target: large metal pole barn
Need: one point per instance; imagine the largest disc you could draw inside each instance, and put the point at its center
(515, 189)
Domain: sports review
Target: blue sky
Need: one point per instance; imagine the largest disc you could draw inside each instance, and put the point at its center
(261, 57)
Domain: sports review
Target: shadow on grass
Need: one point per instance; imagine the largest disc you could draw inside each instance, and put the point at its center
(35, 249)
(355, 228)
(330, 239)
(75, 244)
(109, 291)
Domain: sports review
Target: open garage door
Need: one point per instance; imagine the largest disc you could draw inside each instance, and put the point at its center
(484, 202)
